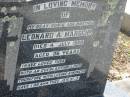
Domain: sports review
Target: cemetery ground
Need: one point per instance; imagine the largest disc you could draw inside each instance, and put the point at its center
(120, 68)
(119, 73)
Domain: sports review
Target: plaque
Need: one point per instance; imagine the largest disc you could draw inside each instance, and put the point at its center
(61, 48)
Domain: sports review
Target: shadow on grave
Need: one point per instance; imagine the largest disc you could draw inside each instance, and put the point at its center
(82, 88)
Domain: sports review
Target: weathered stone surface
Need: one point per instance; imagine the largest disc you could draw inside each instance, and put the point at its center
(1, 51)
(65, 48)
(12, 49)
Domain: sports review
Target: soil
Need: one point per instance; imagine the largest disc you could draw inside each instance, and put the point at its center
(120, 68)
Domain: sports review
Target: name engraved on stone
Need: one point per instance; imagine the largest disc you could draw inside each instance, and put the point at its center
(56, 35)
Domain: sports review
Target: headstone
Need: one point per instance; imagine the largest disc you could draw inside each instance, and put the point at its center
(13, 38)
(10, 30)
(62, 48)
(4, 88)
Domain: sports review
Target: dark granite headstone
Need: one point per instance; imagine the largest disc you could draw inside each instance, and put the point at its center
(12, 49)
(65, 47)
